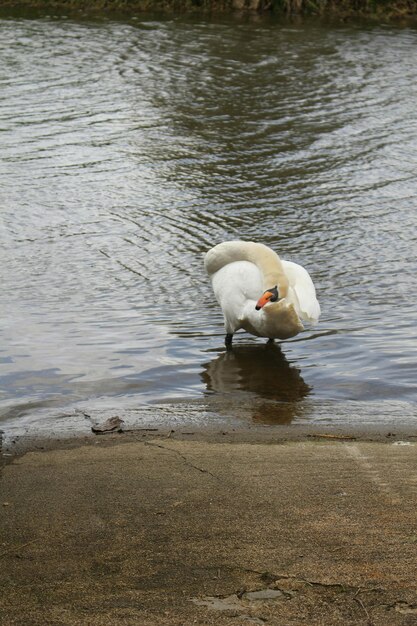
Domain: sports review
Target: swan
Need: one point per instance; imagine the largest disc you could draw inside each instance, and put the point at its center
(259, 292)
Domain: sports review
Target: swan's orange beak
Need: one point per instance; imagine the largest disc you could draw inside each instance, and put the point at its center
(265, 297)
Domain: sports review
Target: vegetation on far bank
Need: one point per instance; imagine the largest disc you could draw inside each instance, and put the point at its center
(381, 8)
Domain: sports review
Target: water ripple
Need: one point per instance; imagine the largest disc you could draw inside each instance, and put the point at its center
(129, 149)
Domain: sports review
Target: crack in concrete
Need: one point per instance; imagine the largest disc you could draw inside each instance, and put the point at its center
(403, 607)
(254, 597)
(184, 458)
(369, 622)
(271, 578)
(268, 578)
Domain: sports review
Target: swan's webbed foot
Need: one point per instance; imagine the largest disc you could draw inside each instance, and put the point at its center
(270, 341)
(228, 341)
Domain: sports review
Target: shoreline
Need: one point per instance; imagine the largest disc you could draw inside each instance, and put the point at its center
(16, 446)
(215, 418)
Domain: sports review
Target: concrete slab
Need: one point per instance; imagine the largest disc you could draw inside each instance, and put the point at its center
(162, 532)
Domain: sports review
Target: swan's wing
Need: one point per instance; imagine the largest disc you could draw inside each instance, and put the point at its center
(302, 292)
(234, 285)
(239, 281)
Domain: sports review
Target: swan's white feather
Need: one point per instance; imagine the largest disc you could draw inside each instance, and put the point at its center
(235, 285)
(239, 283)
(302, 287)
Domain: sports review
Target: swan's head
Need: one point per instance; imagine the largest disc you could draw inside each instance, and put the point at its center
(270, 295)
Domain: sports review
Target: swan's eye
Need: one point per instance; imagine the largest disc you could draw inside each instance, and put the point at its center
(274, 291)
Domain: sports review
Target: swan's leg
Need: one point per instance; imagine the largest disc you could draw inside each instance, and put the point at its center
(228, 341)
(270, 341)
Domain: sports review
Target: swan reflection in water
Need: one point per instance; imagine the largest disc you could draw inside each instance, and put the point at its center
(257, 382)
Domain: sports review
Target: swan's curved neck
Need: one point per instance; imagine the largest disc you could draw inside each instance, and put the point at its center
(271, 268)
(263, 257)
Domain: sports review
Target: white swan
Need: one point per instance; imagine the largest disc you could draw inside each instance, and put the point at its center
(259, 292)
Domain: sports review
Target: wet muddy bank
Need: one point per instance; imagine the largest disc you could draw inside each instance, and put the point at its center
(12, 447)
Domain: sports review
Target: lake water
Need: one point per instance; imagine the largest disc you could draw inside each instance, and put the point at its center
(129, 147)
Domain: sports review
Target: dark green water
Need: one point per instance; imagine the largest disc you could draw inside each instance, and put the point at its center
(129, 148)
